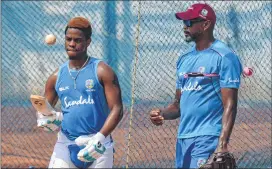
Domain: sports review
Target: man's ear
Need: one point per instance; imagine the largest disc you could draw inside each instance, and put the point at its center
(89, 41)
(207, 25)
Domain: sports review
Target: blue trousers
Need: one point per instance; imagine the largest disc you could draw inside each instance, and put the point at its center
(194, 152)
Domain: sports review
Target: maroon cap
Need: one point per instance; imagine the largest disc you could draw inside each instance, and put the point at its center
(198, 11)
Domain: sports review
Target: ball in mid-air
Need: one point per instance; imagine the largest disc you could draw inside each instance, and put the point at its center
(50, 39)
(247, 71)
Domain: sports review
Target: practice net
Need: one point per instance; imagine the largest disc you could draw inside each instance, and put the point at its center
(141, 41)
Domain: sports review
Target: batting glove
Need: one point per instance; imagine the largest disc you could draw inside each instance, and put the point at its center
(49, 123)
(94, 147)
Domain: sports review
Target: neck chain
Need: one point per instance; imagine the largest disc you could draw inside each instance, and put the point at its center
(74, 78)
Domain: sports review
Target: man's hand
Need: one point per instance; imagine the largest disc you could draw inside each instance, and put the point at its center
(220, 160)
(49, 123)
(94, 147)
(222, 147)
(156, 117)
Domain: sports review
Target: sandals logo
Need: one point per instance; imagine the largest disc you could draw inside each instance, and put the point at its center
(191, 87)
(68, 103)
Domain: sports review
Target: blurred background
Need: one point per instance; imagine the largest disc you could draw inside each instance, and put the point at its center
(141, 41)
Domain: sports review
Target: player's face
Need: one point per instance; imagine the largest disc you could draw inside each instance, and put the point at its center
(76, 43)
(193, 29)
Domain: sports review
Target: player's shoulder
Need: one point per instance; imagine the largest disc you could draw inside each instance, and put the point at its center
(62, 69)
(101, 63)
(63, 65)
(184, 55)
(188, 52)
(103, 67)
(53, 77)
(221, 48)
(94, 59)
(97, 61)
(104, 71)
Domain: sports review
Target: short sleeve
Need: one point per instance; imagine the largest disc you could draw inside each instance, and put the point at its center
(178, 83)
(230, 71)
(178, 65)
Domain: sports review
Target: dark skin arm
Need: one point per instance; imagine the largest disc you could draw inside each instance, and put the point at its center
(50, 92)
(229, 98)
(112, 91)
(171, 112)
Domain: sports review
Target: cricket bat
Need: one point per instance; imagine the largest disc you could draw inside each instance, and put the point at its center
(41, 104)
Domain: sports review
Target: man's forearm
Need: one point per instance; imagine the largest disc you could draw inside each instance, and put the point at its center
(227, 126)
(229, 99)
(112, 121)
(171, 112)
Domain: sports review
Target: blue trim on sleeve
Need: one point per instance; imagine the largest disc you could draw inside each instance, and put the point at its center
(65, 64)
(97, 61)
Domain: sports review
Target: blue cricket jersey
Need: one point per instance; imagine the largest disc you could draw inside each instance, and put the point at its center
(85, 108)
(201, 106)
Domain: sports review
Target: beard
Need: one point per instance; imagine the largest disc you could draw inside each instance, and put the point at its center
(188, 39)
(193, 37)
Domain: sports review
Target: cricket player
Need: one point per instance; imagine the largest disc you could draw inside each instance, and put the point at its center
(208, 78)
(91, 105)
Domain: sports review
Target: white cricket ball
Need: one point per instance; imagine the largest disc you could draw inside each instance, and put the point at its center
(50, 39)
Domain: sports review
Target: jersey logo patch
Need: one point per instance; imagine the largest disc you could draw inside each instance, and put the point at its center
(201, 69)
(89, 84)
(204, 12)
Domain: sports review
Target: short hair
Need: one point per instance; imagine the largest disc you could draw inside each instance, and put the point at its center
(82, 24)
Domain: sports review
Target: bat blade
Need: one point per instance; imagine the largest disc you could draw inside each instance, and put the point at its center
(41, 104)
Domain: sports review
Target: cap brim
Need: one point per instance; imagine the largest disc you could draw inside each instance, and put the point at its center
(188, 15)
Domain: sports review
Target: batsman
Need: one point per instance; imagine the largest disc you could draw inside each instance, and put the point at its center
(207, 82)
(91, 106)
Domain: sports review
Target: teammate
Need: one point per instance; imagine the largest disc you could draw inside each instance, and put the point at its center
(208, 78)
(91, 104)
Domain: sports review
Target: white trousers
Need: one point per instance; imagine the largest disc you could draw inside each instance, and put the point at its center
(61, 155)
